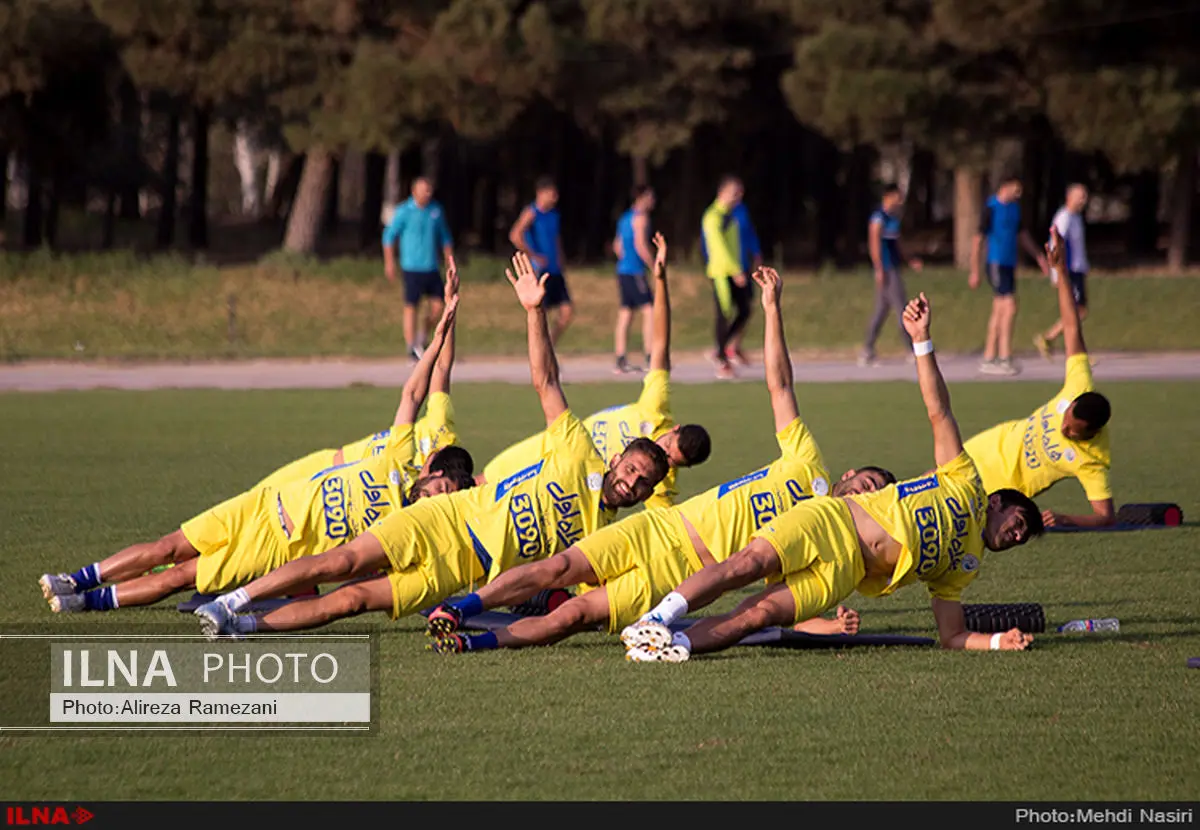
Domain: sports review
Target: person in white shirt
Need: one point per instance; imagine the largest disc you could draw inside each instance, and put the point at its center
(1069, 221)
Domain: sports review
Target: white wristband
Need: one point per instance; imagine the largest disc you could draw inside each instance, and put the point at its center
(995, 646)
(923, 347)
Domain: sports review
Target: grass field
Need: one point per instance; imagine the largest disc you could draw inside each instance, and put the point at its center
(117, 306)
(1078, 717)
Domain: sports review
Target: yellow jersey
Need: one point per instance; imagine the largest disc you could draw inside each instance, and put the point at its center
(727, 516)
(938, 520)
(1031, 455)
(542, 509)
(339, 503)
(612, 430)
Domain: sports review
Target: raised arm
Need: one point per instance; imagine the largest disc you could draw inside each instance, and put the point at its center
(1056, 254)
(641, 238)
(441, 372)
(947, 440)
(543, 365)
(417, 385)
(660, 349)
(516, 234)
(776, 361)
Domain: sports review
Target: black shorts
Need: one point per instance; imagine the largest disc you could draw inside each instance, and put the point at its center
(556, 292)
(1003, 279)
(1079, 287)
(635, 291)
(418, 284)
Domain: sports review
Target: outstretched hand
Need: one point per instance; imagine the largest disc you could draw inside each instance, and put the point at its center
(530, 288)
(771, 283)
(660, 255)
(451, 289)
(916, 318)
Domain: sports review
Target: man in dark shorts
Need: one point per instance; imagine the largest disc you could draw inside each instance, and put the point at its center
(634, 257)
(419, 226)
(536, 232)
(1069, 222)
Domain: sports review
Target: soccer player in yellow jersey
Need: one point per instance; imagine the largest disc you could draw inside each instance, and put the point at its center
(1064, 438)
(435, 430)
(933, 529)
(639, 560)
(649, 416)
(441, 545)
(253, 533)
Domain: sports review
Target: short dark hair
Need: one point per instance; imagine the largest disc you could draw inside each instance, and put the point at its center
(1010, 177)
(1033, 516)
(460, 478)
(639, 190)
(887, 475)
(1093, 409)
(694, 444)
(544, 183)
(452, 459)
(890, 188)
(727, 180)
(656, 454)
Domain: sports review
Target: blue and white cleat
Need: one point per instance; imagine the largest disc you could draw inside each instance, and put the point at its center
(217, 621)
(670, 654)
(647, 634)
(57, 585)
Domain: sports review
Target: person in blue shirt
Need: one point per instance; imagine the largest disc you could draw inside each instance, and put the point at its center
(883, 244)
(536, 232)
(419, 226)
(634, 258)
(1001, 235)
(752, 260)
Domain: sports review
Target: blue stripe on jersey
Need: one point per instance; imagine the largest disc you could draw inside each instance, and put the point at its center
(730, 486)
(485, 559)
(519, 477)
(917, 485)
(341, 466)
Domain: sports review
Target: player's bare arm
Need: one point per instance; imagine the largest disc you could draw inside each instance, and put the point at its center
(776, 361)
(1034, 251)
(660, 350)
(976, 257)
(416, 388)
(445, 361)
(516, 234)
(953, 634)
(947, 440)
(543, 365)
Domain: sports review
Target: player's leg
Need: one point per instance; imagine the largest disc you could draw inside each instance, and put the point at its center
(370, 594)
(582, 613)
(647, 332)
(434, 290)
(897, 297)
(558, 300)
(742, 297)
(621, 337)
(1008, 321)
(875, 323)
(773, 606)
(148, 589)
(412, 299)
(131, 562)
(722, 329)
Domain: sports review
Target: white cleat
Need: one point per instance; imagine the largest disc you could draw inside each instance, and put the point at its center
(216, 620)
(647, 634)
(57, 585)
(670, 654)
(67, 603)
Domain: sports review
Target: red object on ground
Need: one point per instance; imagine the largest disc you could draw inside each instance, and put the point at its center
(1173, 516)
(556, 599)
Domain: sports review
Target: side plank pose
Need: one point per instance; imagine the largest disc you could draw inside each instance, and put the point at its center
(932, 529)
(253, 533)
(417, 557)
(612, 429)
(1067, 437)
(639, 560)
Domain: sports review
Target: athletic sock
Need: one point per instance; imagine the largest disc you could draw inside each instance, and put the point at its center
(468, 606)
(235, 600)
(480, 642)
(101, 599)
(670, 609)
(681, 639)
(86, 578)
(245, 624)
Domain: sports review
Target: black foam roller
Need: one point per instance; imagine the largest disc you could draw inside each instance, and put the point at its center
(1152, 515)
(541, 603)
(991, 618)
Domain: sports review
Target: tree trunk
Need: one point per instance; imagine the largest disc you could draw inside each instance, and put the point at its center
(968, 202)
(4, 155)
(170, 182)
(198, 208)
(304, 219)
(374, 172)
(131, 140)
(271, 180)
(247, 170)
(31, 235)
(329, 214)
(1142, 227)
(1183, 194)
(285, 190)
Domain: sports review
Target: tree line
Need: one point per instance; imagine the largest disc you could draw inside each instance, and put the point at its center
(811, 102)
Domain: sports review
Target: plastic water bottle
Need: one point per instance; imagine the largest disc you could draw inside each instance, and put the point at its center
(1106, 624)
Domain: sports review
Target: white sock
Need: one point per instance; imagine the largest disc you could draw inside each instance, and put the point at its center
(235, 600)
(681, 639)
(670, 609)
(245, 624)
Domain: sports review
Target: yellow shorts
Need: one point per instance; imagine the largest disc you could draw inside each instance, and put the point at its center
(300, 469)
(817, 544)
(430, 554)
(639, 560)
(239, 540)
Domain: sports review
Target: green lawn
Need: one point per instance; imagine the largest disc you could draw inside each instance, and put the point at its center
(1089, 718)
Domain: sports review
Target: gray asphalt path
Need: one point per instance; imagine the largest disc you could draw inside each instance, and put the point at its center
(331, 374)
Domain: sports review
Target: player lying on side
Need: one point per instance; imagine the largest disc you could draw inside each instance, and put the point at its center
(649, 416)
(432, 432)
(440, 546)
(253, 533)
(639, 560)
(932, 529)
(1064, 438)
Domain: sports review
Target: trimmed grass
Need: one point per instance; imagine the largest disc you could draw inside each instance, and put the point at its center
(117, 306)
(1078, 717)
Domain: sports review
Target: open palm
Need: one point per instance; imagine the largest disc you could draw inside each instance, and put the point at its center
(530, 288)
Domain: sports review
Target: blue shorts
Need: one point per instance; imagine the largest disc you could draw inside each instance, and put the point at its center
(1079, 287)
(418, 284)
(635, 291)
(1003, 279)
(556, 292)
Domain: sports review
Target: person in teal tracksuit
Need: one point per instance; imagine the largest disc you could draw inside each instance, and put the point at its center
(419, 225)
